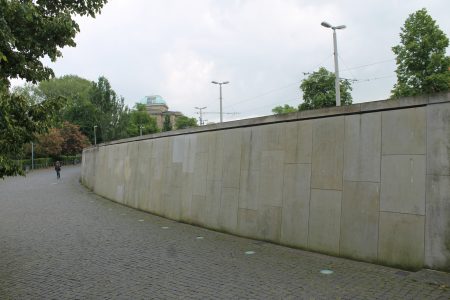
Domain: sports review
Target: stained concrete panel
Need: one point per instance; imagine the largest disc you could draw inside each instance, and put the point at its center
(186, 198)
(403, 184)
(438, 139)
(359, 220)
(404, 131)
(178, 148)
(328, 153)
(228, 216)
(401, 240)
(212, 203)
(324, 221)
(437, 227)
(200, 173)
(248, 189)
(189, 154)
(298, 141)
(295, 212)
(215, 157)
(232, 158)
(247, 222)
(362, 155)
(271, 178)
(291, 141)
(269, 223)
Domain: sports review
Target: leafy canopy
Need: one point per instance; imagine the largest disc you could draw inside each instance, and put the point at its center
(138, 119)
(422, 66)
(183, 122)
(319, 90)
(284, 109)
(31, 30)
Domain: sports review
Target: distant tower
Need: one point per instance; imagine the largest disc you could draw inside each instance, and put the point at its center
(157, 108)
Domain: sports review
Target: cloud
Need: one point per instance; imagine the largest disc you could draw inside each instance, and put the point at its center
(174, 48)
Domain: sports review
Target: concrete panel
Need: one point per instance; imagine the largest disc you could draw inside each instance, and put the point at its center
(271, 178)
(215, 157)
(247, 222)
(228, 216)
(438, 139)
(295, 212)
(404, 131)
(248, 189)
(362, 155)
(298, 141)
(328, 153)
(324, 221)
(437, 228)
(403, 184)
(269, 223)
(186, 198)
(189, 154)
(401, 240)
(212, 205)
(200, 173)
(359, 220)
(232, 158)
(178, 148)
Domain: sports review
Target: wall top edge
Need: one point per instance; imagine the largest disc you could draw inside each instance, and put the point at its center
(358, 108)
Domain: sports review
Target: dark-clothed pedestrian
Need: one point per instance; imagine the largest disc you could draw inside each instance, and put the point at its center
(58, 169)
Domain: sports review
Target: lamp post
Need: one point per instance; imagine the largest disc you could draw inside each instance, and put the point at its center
(95, 135)
(220, 86)
(140, 130)
(336, 67)
(200, 112)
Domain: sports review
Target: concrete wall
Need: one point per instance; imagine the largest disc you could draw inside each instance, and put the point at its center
(369, 181)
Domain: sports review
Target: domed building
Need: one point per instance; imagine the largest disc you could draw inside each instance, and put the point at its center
(157, 108)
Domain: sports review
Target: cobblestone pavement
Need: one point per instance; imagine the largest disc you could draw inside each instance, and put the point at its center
(60, 241)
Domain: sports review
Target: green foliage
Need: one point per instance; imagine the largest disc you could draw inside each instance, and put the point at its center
(109, 109)
(19, 122)
(422, 64)
(139, 117)
(319, 90)
(167, 126)
(284, 109)
(30, 30)
(185, 122)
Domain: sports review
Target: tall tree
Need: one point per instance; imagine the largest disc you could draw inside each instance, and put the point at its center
(422, 64)
(30, 30)
(73, 140)
(319, 90)
(183, 122)
(137, 118)
(20, 121)
(167, 126)
(109, 110)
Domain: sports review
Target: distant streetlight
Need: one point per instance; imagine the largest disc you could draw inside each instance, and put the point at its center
(95, 135)
(200, 112)
(220, 85)
(336, 67)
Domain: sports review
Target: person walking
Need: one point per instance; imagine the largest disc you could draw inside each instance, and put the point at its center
(58, 169)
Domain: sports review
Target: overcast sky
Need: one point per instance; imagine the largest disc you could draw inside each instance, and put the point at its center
(175, 48)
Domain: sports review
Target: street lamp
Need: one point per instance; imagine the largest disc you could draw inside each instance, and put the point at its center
(201, 116)
(95, 135)
(220, 85)
(336, 67)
